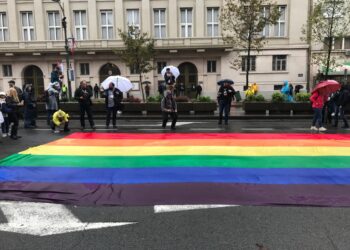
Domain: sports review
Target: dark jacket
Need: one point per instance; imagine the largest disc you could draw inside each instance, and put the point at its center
(118, 97)
(169, 79)
(86, 94)
(55, 76)
(168, 104)
(226, 93)
(344, 97)
(12, 106)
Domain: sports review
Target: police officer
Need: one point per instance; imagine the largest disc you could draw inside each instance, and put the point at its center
(225, 97)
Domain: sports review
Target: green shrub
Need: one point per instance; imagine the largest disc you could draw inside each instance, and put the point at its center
(302, 97)
(255, 98)
(250, 98)
(259, 98)
(277, 97)
(204, 99)
(157, 98)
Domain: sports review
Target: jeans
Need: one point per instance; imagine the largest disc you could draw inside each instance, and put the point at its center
(111, 111)
(87, 109)
(317, 117)
(224, 107)
(5, 126)
(173, 116)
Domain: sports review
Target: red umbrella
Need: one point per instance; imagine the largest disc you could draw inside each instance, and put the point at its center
(327, 87)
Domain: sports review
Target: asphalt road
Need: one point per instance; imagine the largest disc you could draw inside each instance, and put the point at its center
(242, 227)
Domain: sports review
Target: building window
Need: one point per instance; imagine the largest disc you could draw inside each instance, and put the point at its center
(265, 14)
(27, 26)
(3, 27)
(213, 22)
(279, 63)
(211, 66)
(54, 25)
(159, 23)
(280, 26)
(252, 63)
(347, 43)
(7, 70)
(133, 18)
(80, 25)
(84, 69)
(107, 24)
(160, 66)
(186, 22)
(134, 70)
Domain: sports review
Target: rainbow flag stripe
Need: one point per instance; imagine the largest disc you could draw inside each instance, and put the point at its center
(149, 169)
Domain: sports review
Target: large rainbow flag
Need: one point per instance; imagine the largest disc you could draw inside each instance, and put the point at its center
(148, 169)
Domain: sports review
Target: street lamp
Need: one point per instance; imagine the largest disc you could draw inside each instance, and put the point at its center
(64, 25)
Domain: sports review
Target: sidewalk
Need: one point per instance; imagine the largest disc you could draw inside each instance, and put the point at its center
(237, 113)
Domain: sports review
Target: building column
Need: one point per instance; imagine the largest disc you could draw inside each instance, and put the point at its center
(146, 16)
(199, 24)
(70, 21)
(93, 22)
(14, 29)
(119, 16)
(172, 19)
(39, 15)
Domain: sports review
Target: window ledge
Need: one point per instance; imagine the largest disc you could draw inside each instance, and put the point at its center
(265, 73)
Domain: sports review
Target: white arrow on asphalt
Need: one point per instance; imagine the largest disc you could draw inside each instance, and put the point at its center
(176, 208)
(42, 219)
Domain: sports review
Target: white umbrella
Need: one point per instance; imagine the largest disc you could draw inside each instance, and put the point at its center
(174, 70)
(122, 83)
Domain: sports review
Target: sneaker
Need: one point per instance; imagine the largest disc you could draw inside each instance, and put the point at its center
(322, 129)
(313, 128)
(4, 135)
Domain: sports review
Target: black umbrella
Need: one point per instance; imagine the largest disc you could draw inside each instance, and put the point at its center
(221, 82)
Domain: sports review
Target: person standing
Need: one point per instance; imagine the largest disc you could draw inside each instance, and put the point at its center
(64, 92)
(198, 91)
(113, 98)
(225, 97)
(169, 108)
(29, 107)
(5, 110)
(147, 90)
(12, 84)
(169, 77)
(341, 102)
(317, 99)
(12, 103)
(83, 95)
(286, 92)
(55, 74)
(160, 89)
(51, 100)
(181, 89)
(96, 91)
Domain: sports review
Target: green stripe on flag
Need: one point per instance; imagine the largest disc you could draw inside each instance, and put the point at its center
(21, 160)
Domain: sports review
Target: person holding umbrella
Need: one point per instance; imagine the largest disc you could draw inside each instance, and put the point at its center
(318, 98)
(169, 108)
(83, 95)
(169, 77)
(225, 97)
(113, 98)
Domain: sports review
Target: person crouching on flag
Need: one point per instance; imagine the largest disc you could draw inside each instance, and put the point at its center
(58, 118)
(169, 107)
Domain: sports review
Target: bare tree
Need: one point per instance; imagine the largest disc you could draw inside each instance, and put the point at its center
(243, 23)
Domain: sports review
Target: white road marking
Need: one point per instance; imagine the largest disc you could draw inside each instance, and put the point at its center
(208, 129)
(42, 219)
(176, 208)
(257, 129)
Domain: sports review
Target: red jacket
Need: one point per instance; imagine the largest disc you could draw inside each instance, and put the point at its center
(318, 100)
